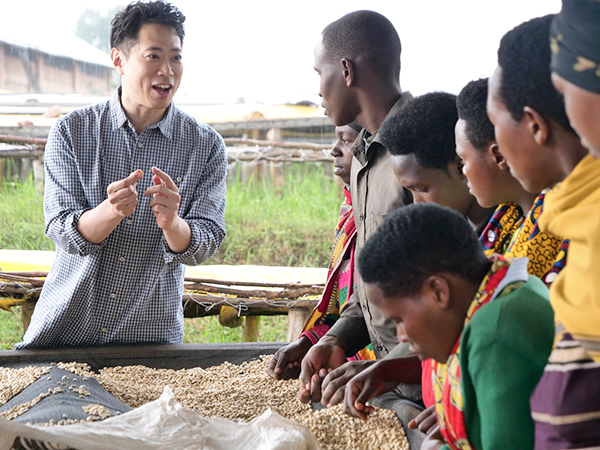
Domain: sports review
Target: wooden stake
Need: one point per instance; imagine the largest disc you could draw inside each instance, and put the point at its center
(296, 319)
(251, 328)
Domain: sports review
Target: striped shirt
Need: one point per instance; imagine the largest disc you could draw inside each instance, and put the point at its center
(128, 288)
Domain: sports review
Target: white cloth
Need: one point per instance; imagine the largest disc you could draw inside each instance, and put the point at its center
(166, 425)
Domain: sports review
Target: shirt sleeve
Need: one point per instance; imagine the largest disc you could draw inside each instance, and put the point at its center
(206, 214)
(351, 327)
(64, 195)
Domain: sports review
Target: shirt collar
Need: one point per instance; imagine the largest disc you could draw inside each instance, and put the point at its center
(365, 140)
(119, 118)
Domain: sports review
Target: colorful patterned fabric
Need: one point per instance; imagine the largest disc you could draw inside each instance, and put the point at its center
(503, 224)
(442, 382)
(566, 403)
(340, 280)
(575, 40)
(547, 254)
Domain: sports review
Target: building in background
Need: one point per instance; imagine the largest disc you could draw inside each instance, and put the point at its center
(56, 63)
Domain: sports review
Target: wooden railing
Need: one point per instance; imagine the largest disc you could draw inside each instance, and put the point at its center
(233, 301)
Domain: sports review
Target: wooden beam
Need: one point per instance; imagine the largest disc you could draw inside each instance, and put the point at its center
(251, 325)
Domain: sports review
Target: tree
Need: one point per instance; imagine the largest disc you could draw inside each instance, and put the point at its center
(94, 27)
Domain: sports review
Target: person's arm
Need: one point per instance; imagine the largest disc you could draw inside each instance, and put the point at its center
(204, 218)
(351, 327)
(98, 223)
(65, 200)
(369, 379)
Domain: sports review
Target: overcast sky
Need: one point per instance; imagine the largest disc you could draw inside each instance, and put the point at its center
(263, 50)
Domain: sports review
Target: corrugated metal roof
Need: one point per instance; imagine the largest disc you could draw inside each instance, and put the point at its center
(53, 41)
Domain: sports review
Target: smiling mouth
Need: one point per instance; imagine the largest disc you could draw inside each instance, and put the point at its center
(162, 88)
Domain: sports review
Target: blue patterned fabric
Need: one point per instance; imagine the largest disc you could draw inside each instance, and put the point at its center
(128, 288)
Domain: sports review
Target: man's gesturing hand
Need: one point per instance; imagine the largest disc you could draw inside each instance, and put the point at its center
(165, 199)
(122, 194)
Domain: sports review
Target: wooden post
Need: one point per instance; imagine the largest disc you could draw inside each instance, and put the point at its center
(26, 168)
(296, 319)
(27, 308)
(2, 169)
(38, 175)
(277, 174)
(251, 328)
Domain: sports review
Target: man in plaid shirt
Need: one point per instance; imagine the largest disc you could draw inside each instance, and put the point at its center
(122, 235)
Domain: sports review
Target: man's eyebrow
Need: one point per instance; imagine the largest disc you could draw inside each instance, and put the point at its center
(159, 49)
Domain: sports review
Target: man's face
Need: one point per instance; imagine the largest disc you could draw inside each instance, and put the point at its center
(433, 185)
(333, 89)
(152, 71)
(523, 154)
(478, 166)
(583, 109)
(414, 320)
(342, 151)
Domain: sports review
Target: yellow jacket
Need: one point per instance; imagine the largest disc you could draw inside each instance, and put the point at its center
(572, 210)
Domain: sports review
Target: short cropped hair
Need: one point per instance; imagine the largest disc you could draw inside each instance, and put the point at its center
(356, 127)
(524, 56)
(126, 24)
(424, 126)
(471, 105)
(368, 34)
(416, 242)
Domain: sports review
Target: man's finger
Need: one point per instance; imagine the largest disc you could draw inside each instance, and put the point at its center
(349, 405)
(133, 178)
(367, 392)
(337, 397)
(282, 361)
(165, 178)
(315, 388)
(272, 366)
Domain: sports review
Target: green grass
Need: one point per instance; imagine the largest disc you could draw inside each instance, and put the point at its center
(11, 328)
(196, 330)
(289, 226)
(22, 217)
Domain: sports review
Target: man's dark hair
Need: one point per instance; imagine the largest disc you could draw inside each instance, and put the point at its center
(524, 56)
(424, 126)
(125, 26)
(471, 105)
(417, 241)
(356, 127)
(370, 35)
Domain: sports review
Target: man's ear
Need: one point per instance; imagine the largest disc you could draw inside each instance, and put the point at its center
(494, 151)
(118, 58)
(537, 126)
(348, 71)
(439, 291)
(456, 167)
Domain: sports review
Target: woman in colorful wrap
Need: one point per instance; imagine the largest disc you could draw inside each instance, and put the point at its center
(566, 403)
(509, 232)
(488, 320)
(340, 277)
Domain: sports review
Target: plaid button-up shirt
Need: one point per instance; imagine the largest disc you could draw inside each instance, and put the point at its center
(128, 288)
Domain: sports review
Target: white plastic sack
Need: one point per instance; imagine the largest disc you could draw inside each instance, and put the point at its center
(166, 425)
